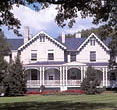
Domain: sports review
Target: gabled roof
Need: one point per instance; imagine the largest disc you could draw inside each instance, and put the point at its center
(36, 36)
(93, 35)
(70, 43)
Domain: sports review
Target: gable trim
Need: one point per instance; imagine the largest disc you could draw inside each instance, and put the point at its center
(42, 32)
(96, 38)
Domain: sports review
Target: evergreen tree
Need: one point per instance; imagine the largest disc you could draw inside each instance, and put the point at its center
(16, 80)
(4, 49)
(90, 82)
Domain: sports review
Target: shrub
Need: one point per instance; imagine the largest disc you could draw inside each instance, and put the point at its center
(90, 82)
(42, 87)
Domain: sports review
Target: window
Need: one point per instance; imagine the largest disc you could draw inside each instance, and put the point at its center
(50, 56)
(92, 56)
(92, 42)
(33, 74)
(33, 55)
(73, 56)
(42, 38)
(51, 77)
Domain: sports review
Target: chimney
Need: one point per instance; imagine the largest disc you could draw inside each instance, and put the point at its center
(78, 35)
(26, 34)
(30, 36)
(63, 37)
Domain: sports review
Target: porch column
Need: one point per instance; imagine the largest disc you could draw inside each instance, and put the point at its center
(66, 75)
(103, 77)
(30, 76)
(40, 76)
(60, 76)
(106, 77)
(43, 76)
(63, 76)
(82, 70)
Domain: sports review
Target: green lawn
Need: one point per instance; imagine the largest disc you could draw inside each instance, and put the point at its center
(65, 102)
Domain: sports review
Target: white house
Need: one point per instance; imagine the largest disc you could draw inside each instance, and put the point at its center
(62, 63)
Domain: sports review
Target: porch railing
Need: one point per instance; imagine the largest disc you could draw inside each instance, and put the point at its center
(73, 82)
(112, 83)
(52, 82)
(33, 83)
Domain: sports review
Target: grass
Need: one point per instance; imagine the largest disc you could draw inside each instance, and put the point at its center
(66, 102)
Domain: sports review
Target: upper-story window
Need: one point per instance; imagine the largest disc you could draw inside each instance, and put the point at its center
(92, 41)
(42, 38)
(50, 54)
(33, 55)
(73, 56)
(93, 56)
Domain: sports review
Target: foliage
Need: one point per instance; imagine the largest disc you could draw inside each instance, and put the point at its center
(42, 87)
(53, 92)
(4, 49)
(15, 82)
(90, 82)
(101, 10)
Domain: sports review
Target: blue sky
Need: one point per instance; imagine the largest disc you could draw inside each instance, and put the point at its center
(44, 20)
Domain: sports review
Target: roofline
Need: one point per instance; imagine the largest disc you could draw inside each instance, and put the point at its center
(42, 32)
(89, 38)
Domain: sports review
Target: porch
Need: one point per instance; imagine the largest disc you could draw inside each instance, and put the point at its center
(65, 75)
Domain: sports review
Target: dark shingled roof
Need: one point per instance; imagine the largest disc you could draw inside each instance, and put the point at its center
(15, 43)
(47, 63)
(97, 64)
(74, 43)
(70, 43)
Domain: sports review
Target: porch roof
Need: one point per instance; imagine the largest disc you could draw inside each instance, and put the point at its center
(74, 63)
(50, 63)
(98, 64)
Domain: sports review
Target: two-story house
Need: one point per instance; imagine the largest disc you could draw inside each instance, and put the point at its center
(61, 63)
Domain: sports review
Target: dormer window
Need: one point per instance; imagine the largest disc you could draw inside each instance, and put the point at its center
(42, 38)
(92, 41)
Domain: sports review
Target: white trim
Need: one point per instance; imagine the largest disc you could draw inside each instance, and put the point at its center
(42, 32)
(96, 38)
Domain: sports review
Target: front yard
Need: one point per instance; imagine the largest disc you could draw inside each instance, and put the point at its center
(107, 101)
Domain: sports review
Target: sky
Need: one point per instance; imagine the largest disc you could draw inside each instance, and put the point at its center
(44, 20)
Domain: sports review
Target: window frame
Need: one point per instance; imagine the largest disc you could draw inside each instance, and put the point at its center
(73, 56)
(92, 41)
(52, 57)
(33, 55)
(92, 56)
